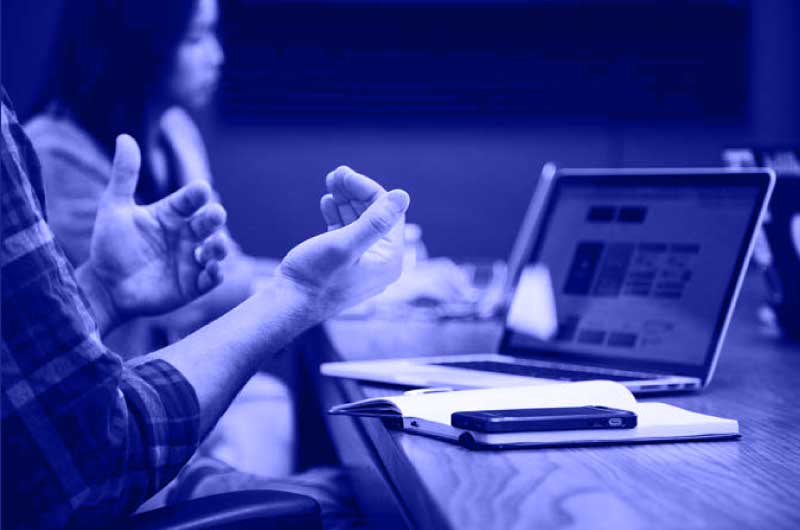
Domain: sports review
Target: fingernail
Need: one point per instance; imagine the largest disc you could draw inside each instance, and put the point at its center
(399, 200)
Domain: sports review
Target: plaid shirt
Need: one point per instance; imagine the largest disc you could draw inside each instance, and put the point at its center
(85, 438)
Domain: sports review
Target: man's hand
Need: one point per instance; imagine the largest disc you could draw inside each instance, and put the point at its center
(146, 260)
(359, 256)
(362, 252)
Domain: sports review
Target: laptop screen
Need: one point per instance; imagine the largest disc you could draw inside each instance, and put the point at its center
(641, 269)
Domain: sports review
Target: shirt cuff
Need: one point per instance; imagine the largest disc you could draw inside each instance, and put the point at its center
(168, 417)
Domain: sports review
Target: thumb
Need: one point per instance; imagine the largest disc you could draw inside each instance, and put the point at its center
(377, 221)
(125, 170)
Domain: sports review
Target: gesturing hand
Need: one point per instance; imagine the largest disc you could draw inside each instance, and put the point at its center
(362, 251)
(147, 260)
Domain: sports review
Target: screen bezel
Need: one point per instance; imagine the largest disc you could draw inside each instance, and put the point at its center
(762, 179)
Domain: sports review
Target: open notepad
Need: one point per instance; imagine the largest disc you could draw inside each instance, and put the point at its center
(429, 414)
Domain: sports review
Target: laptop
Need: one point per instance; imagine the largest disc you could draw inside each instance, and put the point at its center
(644, 268)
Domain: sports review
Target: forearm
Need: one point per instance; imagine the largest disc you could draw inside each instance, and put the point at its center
(242, 275)
(219, 358)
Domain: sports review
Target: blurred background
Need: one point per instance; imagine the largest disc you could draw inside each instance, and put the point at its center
(462, 102)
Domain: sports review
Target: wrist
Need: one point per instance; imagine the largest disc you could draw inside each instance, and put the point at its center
(105, 310)
(301, 304)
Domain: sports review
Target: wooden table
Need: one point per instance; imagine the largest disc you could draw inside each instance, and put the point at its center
(403, 480)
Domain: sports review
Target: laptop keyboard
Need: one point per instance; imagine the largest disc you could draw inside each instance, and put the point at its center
(539, 371)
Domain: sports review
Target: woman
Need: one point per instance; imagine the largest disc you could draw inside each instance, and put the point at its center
(140, 66)
(136, 67)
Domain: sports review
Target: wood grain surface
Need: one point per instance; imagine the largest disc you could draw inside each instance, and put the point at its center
(752, 483)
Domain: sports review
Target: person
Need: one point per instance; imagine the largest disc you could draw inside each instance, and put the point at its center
(172, 51)
(87, 436)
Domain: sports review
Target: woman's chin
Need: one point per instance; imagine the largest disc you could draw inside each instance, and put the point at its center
(199, 100)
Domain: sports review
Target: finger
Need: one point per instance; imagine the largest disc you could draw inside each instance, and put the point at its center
(346, 211)
(330, 178)
(125, 168)
(190, 198)
(359, 206)
(208, 219)
(174, 209)
(329, 212)
(352, 191)
(377, 221)
(213, 248)
(347, 185)
(209, 277)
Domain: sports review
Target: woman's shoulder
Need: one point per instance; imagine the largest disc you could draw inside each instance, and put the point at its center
(59, 139)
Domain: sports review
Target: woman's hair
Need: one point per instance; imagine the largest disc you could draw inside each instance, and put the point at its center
(111, 60)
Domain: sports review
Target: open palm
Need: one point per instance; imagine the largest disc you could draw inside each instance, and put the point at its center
(155, 258)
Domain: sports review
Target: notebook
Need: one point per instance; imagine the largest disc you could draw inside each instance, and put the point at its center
(429, 414)
(624, 275)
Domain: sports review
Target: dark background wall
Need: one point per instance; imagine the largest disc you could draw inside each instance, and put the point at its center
(461, 102)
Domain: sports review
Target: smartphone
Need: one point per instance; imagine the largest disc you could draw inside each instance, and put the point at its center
(552, 419)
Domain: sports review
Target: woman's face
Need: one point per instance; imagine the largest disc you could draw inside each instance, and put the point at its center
(195, 73)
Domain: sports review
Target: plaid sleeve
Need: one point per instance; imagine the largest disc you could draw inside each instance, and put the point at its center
(85, 438)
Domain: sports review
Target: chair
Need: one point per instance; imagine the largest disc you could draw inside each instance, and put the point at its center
(245, 510)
